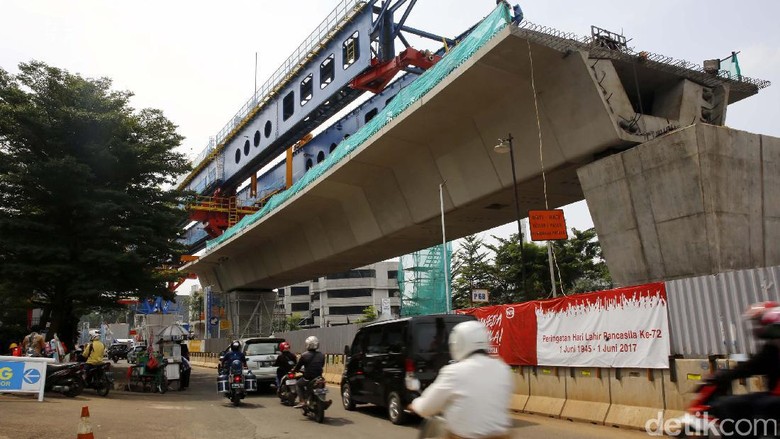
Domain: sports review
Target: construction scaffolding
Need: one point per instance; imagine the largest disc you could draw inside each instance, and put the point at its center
(249, 313)
(422, 281)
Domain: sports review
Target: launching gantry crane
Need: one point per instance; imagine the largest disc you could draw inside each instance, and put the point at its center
(362, 35)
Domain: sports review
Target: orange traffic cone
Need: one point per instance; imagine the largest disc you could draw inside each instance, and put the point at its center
(85, 427)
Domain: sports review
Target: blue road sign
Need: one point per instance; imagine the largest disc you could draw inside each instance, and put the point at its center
(11, 375)
(31, 376)
(213, 321)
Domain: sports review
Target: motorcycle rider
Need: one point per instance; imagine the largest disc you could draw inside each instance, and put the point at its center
(312, 362)
(474, 393)
(765, 320)
(234, 354)
(284, 362)
(94, 353)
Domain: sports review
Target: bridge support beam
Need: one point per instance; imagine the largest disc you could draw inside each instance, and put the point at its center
(700, 200)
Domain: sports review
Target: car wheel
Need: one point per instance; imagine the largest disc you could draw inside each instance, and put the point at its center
(395, 409)
(346, 397)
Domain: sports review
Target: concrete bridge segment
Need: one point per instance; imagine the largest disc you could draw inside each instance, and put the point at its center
(383, 201)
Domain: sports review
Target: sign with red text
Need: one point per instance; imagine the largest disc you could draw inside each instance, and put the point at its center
(512, 331)
(624, 327)
(547, 225)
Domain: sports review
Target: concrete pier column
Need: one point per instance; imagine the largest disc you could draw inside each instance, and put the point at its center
(700, 200)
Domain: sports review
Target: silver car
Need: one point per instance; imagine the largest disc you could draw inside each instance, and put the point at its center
(261, 355)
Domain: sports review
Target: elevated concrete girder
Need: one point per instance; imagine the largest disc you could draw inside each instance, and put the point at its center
(383, 200)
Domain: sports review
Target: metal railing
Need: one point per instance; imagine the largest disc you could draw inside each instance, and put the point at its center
(565, 41)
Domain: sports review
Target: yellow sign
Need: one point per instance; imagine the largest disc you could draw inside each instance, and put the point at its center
(196, 345)
(6, 373)
(224, 324)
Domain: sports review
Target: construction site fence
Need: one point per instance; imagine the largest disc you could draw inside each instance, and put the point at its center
(332, 339)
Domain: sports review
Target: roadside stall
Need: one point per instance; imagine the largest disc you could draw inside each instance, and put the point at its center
(169, 345)
(148, 374)
(158, 367)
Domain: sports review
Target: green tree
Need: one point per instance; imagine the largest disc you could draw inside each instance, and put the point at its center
(369, 315)
(84, 216)
(470, 269)
(293, 322)
(581, 264)
(508, 285)
(196, 305)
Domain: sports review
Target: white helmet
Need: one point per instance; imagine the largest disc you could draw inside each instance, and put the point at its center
(468, 337)
(312, 343)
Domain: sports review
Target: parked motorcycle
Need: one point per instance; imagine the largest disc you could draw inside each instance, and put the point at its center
(287, 391)
(64, 378)
(315, 400)
(99, 378)
(235, 383)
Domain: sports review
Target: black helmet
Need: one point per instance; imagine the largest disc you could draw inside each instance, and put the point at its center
(235, 346)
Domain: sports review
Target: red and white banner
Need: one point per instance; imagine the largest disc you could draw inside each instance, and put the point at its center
(624, 327)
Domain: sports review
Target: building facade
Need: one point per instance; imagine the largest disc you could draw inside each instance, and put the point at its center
(340, 298)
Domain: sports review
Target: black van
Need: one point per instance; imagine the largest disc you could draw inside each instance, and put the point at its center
(390, 363)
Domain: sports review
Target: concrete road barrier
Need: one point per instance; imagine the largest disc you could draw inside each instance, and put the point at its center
(587, 394)
(637, 396)
(547, 391)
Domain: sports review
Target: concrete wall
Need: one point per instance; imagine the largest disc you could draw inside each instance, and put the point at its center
(700, 200)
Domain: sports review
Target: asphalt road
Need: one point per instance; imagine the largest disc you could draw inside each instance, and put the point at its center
(200, 413)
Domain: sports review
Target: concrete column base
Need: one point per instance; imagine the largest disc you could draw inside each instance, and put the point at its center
(700, 200)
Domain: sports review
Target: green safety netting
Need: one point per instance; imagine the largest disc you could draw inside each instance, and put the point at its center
(422, 282)
(488, 28)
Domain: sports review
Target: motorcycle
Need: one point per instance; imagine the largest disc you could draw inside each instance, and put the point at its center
(287, 391)
(235, 384)
(99, 378)
(697, 421)
(315, 400)
(64, 378)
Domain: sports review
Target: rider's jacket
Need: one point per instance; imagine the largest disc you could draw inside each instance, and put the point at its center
(473, 395)
(312, 363)
(230, 356)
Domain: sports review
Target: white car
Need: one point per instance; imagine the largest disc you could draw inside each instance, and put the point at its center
(261, 353)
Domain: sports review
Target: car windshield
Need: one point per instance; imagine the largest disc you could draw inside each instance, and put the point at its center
(260, 348)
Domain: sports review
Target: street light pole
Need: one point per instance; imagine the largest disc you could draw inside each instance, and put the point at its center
(501, 148)
(448, 297)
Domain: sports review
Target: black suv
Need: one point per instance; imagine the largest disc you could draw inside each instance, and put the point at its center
(390, 363)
